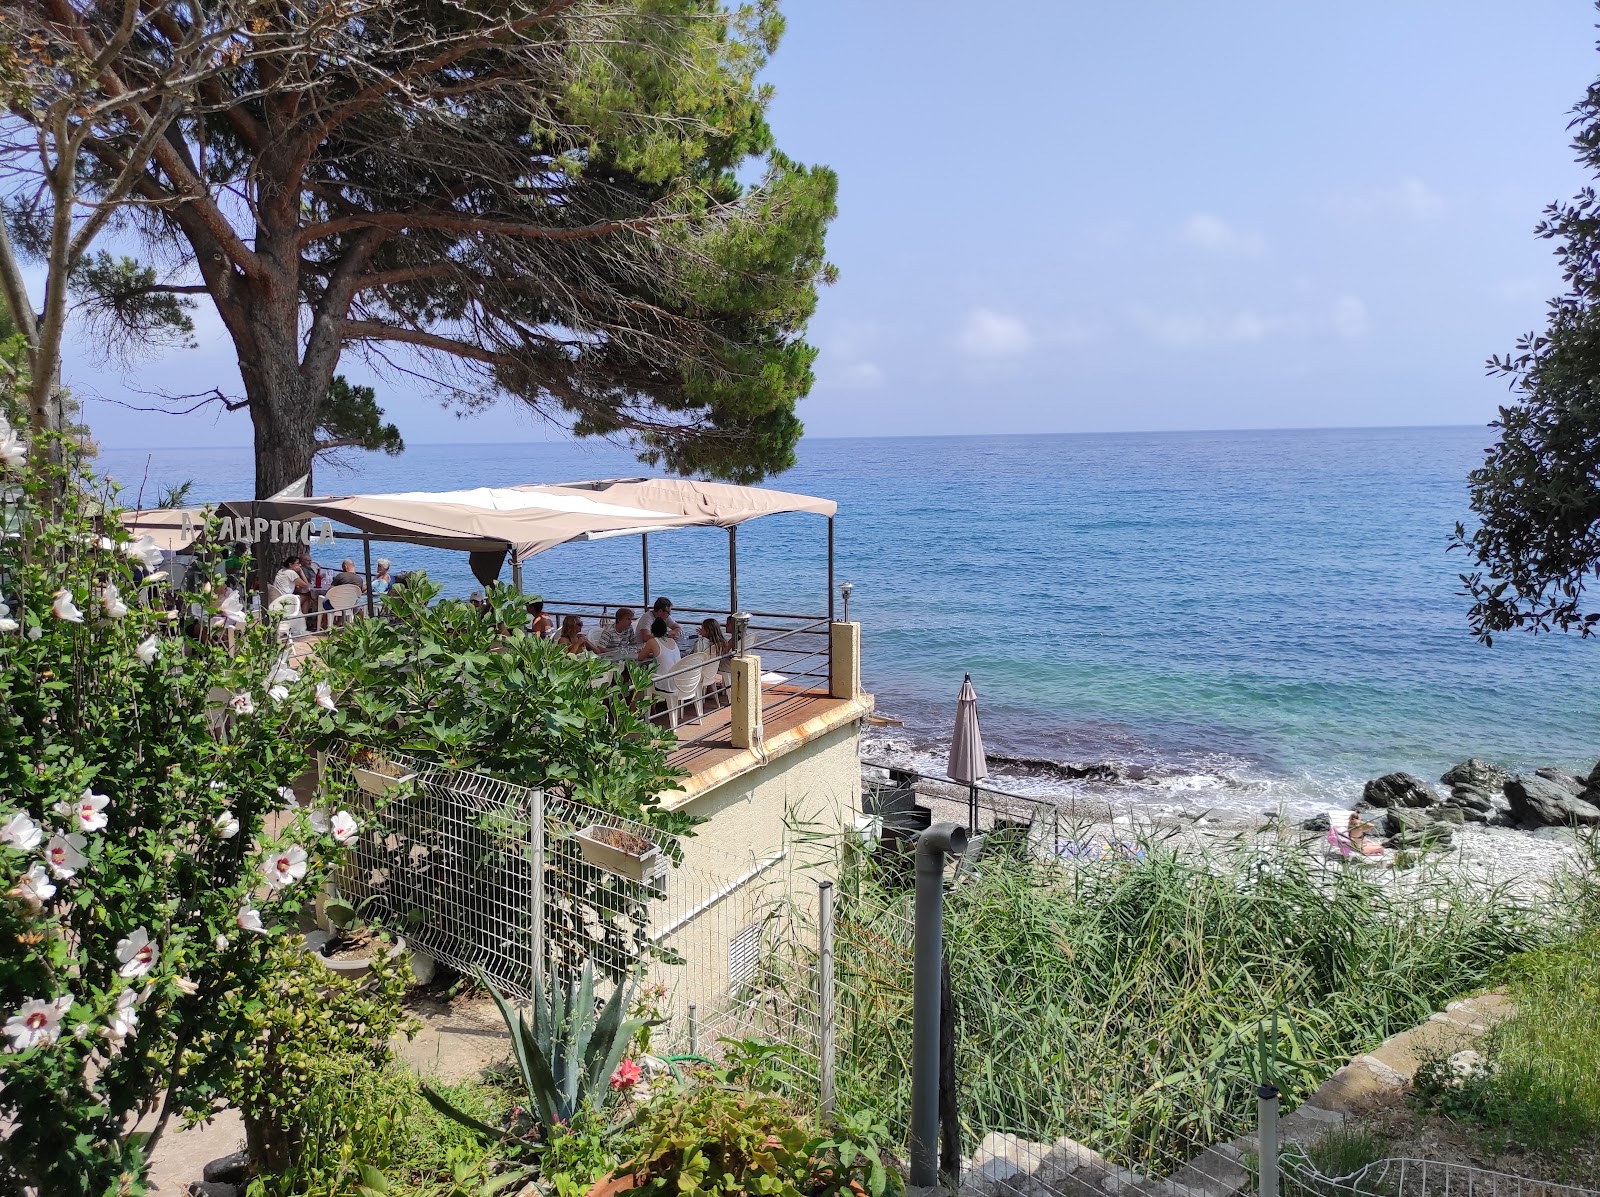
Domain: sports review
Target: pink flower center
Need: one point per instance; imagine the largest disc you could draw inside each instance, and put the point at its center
(145, 954)
(37, 1019)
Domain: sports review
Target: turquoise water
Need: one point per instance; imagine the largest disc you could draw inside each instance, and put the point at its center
(1243, 617)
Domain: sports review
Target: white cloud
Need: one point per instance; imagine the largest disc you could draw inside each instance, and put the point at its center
(1214, 235)
(846, 358)
(988, 333)
(1349, 318)
(859, 376)
(1410, 198)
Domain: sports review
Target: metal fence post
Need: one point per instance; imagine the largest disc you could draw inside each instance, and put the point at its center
(694, 1028)
(825, 1004)
(1267, 1136)
(536, 848)
(927, 965)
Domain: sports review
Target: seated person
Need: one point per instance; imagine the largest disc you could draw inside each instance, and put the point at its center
(658, 648)
(347, 576)
(616, 634)
(711, 640)
(291, 579)
(571, 635)
(662, 609)
(381, 581)
(542, 625)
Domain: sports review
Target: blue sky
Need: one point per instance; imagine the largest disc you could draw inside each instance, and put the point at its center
(1067, 216)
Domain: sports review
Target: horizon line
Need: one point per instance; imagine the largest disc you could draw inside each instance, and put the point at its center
(897, 436)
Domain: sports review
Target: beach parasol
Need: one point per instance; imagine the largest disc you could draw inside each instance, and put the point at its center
(968, 764)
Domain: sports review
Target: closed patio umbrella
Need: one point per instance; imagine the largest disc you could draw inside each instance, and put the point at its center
(968, 764)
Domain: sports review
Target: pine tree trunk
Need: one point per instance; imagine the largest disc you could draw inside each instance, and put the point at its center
(283, 408)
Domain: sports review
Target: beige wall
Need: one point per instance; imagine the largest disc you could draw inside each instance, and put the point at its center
(817, 785)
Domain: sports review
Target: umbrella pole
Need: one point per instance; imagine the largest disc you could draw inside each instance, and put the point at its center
(972, 809)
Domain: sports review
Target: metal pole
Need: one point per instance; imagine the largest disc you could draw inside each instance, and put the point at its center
(366, 559)
(845, 590)
(830, 569)
(972, 809)
(825, 993)
(1267, 1110)
(733, 568)
(694, 1028)
(932, 847)
(516, 574)
(536, 848)
(644, 551)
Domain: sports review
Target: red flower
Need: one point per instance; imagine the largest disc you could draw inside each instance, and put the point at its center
(626, 1076)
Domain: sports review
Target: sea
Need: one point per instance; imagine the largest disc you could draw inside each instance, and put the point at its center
(1230, 621)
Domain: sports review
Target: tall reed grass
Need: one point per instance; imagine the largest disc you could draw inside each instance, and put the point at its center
(1132, 1005)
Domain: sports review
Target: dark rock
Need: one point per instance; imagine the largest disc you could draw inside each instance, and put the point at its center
(1398, 789)
(212, 1188)
(1453, 815)
(1570, 782)
(1316, 822)
(1399, 820)
(1593, 780)
(1537, 801)
(1471, 798)
(228, 1170)
(1479, 774)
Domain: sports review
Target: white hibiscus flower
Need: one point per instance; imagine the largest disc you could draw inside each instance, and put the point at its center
(65, 608)
(37, 1023)
(136, 954)
(145, 551)
(242, 703)
(64, 855)
(35, 888)
(35, 632)
(325, 697)
(320, 822)
(249, 919)
(124, 1019)
(286, 796)
(21, 832)
(148, 650)
(90, 811)
(7, 624)
(13, 449)
(344, 827)
(221, 942)
(225, 826)
(284, 868)
(111, 600)
(283, 674)
(277, 693)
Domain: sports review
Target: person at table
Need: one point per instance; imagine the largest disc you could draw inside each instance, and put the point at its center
(347, 576)
(662, 609)
(617, 634)
(540, 624)
(571, 635)
(382, 580)
(291, 579)
(658, 648)
(716, 644)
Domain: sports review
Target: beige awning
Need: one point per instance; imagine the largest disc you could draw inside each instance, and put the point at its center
(530, 519)
(172, 528)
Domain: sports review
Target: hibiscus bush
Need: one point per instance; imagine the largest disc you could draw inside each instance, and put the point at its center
(147, 858)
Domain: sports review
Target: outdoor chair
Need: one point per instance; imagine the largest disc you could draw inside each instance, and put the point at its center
(1339, 840)
(286, 608)
(679, 689)
(343, 604)
(713, 679)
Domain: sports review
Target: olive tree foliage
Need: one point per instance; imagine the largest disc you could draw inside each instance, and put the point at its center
(1535, 548)
(577, 205)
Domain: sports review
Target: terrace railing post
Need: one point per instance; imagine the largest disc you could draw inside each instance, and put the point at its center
(1267, 1139)
(933, 846)
(825, 1004)
(744, 702)
(733, 568)
(844, 660)
(536, 850)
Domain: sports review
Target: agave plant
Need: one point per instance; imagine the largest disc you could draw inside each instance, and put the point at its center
(566, 1053)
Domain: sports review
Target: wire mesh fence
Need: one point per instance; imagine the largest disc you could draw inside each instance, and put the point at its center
(1402, 1177)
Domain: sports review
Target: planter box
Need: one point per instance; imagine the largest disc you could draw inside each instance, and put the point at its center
(622, 853)
(352, 968)
(378, 783)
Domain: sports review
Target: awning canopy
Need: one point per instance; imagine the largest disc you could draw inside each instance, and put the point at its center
(172, 528)
(527, 519)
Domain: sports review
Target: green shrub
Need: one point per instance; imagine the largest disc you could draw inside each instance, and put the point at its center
(1342, 1151)
(718, 1140)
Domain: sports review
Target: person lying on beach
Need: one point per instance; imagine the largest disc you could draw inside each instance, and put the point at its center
(1359, 828)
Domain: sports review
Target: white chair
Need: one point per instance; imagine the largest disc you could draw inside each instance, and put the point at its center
(713, 678)
(285, 608)
(679, 688)
(343, 603)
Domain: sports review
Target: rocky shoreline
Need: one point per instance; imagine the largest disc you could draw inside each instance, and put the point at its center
(1412, 814)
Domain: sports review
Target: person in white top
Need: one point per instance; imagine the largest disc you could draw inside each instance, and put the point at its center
(660, 648)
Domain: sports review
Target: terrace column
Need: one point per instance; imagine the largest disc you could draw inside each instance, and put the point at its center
(844, 660)
(744, 713)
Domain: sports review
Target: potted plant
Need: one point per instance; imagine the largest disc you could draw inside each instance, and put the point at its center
(346, 944)
(621, 852)
(377, 775)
